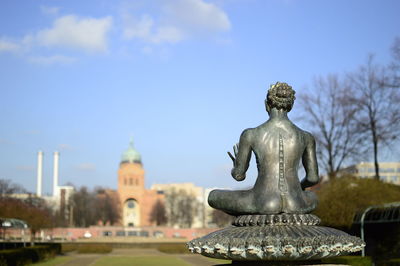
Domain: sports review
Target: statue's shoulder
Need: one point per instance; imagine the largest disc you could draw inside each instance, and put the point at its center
(247, 134)
(308, 137)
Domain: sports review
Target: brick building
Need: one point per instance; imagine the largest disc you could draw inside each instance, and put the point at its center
(136, 201)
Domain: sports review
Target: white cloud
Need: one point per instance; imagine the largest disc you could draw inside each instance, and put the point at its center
(89, 34)
(198, 15)
(178, 20)
(145, 29)
(49, 10)
(53, 59)
(9, 46)
(169, 34)
(138, 28)
(86, 167)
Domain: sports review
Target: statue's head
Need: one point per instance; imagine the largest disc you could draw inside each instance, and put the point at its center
(280, 96)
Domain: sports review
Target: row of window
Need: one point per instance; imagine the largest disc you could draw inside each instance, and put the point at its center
(133, 233)
(131, 182)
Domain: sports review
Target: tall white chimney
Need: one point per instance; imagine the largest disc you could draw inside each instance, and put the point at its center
(55, 174)
(39, 174)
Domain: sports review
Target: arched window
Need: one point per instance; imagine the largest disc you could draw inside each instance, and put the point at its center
(130, 181)
(131, 204)
(131, 213)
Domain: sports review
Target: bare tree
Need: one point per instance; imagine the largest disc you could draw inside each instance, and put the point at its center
(188, 208)
(107, 206)
(331, 118)
(181, 207)
(220, 218)
(158, 213)
(171, 203)
(33, 210)
(377, 101)
(395, 64)
(7, 188)
(83, 204)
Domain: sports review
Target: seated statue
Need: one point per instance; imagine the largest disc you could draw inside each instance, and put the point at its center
(278, 145)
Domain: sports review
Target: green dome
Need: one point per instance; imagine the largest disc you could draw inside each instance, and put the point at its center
(131, 155)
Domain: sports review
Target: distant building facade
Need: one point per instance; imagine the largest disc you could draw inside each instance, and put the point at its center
(200, 216)
(389, 172)
(136, 202)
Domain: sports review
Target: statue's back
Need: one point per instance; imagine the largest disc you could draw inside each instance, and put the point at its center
(276, 141)
(278, 146)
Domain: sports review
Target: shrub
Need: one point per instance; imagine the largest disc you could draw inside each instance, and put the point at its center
(176, 248)
(14, 257)
(68, 247)
(350, 260)
(28, 255)
(341, 198)
(94, 248)
(391, 262)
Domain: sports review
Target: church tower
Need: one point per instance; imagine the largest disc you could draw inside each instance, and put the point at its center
(136, 201)
(131, 187)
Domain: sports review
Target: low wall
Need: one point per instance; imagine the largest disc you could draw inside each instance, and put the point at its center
(111, 234)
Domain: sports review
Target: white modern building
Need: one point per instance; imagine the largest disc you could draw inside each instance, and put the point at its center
(389, 172)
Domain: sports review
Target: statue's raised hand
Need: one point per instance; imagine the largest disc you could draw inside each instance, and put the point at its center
(235, 151)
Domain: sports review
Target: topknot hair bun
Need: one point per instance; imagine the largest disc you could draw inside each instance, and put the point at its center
(281, 96)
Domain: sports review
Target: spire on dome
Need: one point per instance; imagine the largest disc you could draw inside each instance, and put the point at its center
(131, 155)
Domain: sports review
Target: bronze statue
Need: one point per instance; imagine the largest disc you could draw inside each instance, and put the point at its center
(273, 220)
(278, 145)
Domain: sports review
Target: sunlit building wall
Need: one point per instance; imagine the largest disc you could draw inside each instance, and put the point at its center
(389, 172)
(190, 189)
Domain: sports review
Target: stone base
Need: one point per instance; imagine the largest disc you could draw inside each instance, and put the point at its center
(276, 242)
(277, 263)
(276, 219)
(280, 263)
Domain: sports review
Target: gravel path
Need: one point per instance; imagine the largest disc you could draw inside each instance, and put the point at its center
(81, 260)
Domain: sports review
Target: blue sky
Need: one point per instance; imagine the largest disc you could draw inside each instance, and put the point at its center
(183, 77)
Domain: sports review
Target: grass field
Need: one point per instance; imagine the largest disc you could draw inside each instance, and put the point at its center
(132, 257)
(56, 261)
(140, 261)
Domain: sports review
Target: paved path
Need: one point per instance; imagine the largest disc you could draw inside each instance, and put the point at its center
(81, 260)
(195, 260)
(136, 252)
(89, 259)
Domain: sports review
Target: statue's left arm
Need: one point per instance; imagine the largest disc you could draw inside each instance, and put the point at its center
(243, 155)
(310, 163)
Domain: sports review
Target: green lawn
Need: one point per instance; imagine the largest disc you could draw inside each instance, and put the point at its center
(219, 261)
(56, 261)
(140, 261)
